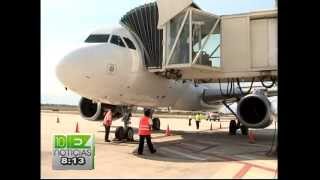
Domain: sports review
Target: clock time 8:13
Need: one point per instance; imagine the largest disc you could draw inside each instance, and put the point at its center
(72, 161)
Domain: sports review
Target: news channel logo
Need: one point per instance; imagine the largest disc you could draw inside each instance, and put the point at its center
(73, 151)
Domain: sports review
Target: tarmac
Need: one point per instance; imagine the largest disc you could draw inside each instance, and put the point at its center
(187, 153)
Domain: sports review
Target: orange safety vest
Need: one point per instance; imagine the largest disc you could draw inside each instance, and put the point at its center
(144, 126)
(107, 121)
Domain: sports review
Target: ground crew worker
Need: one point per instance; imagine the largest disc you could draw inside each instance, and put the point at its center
(107, 121)
(190, 118)
(198, 118)
(145, 132)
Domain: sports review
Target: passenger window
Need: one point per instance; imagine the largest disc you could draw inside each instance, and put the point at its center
(117, 40)
(129, 43)
(97, 38)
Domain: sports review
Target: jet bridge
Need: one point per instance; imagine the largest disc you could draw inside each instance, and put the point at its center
(142, 23)
(181, 41)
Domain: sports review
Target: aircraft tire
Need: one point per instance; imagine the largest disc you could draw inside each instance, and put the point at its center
(156, 123)
(244, 130)
(129, 134)
(232, 127)
(119, 133)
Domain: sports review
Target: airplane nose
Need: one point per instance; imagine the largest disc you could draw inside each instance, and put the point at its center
(80, 69)
(61, 70)
(76, 69)
(66, 69)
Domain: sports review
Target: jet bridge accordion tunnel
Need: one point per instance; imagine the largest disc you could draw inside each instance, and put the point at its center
(142, 22)
(181, 41)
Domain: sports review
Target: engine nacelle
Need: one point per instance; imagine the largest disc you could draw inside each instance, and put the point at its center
(94, 111)
(254, 110)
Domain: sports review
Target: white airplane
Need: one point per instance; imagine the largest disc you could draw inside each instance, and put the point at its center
(108, 71)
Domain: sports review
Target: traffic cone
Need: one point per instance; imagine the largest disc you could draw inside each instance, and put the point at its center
(211, 127)
(77, 128)
(251, 137)
(58, 121)
(168, 133)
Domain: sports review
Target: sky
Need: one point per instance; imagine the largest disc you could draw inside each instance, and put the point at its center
(65, 24)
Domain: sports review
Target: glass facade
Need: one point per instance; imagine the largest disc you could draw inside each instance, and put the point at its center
(210, 53)
(206, 44)
(205, 47)
(180, 54)
(172, 30)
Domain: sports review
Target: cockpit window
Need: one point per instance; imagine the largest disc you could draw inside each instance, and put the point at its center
(117, 41)
(97, 38)
(129, 43)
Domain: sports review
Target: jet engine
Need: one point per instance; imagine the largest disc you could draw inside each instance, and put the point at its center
(254, 110)
(92, 111)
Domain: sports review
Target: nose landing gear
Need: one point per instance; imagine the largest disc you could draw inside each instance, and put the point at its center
(125, 132)
(129, 134)
(119, 134)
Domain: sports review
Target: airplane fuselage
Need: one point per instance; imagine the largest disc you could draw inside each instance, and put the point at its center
(109, 73)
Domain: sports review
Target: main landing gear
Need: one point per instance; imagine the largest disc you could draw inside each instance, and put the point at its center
(233, 126)
(156, 124)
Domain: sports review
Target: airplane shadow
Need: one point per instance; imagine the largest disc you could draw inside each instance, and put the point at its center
(212, 147)
(206, 146)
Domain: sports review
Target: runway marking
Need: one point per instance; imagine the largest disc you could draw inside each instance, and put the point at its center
(256, 145)
(243, 171)
(188, 146)
(240, 162)
(244, 156)
(205, 142)
(240, 144)
(194, 147)
(180, 145)
(182, 154)
(207, 148)
(199, 146)
(162, 136)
